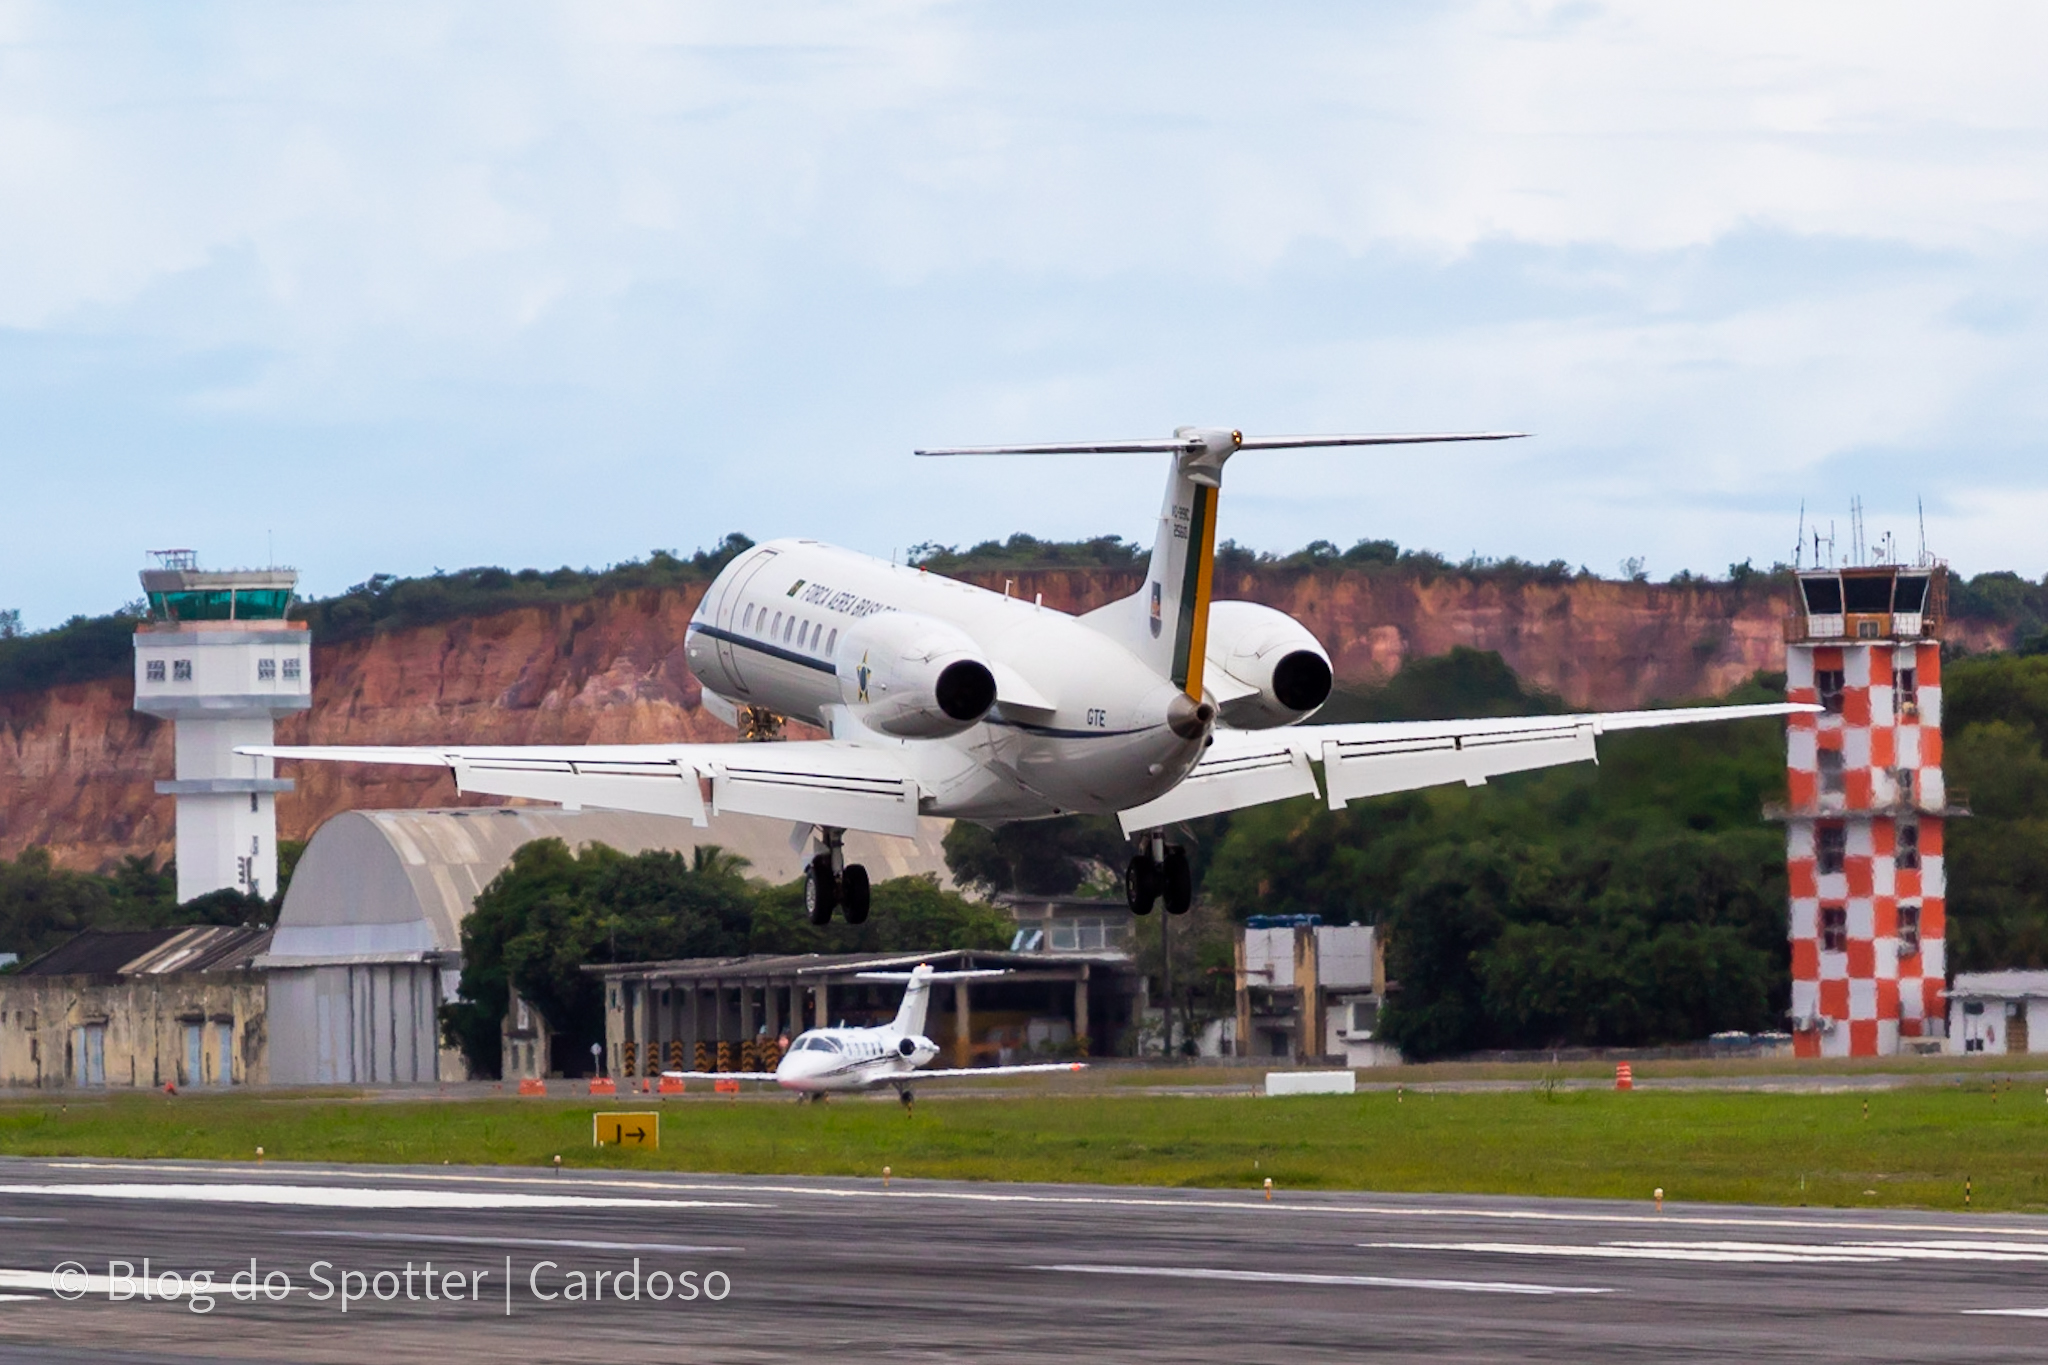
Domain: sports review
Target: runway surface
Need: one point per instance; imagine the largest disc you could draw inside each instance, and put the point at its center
(849, 1270)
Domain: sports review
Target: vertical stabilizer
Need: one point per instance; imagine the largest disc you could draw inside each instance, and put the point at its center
(917, 995)
(1167, 623)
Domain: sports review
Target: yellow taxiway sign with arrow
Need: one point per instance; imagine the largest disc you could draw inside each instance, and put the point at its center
(625, 1130)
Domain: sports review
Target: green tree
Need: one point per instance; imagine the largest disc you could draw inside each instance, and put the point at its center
(1035, 857)
(906, 915)
(552, 911)
(41, 905)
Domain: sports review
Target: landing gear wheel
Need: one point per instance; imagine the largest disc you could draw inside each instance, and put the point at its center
(908, 1099)
(853, 893)
(821, 891)
(1141, 884)
(1178, 881)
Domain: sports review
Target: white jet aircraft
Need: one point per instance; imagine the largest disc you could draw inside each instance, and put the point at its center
(941, 698)
(827, 1061)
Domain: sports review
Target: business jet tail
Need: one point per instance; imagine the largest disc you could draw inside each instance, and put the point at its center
(1166, 623)
(917, 992)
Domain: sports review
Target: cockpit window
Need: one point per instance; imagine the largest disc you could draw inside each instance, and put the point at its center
(816, 1042)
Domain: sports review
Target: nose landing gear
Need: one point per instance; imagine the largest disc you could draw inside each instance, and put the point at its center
(831, 882)
(1159, 870)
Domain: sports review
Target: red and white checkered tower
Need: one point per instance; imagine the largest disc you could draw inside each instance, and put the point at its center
(1865, 810)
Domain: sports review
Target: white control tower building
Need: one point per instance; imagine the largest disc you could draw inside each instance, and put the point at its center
(218, 658)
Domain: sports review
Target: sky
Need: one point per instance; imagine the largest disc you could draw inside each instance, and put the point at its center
(372, 288)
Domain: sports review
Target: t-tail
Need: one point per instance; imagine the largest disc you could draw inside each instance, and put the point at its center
(1166, 622)
(917, 992)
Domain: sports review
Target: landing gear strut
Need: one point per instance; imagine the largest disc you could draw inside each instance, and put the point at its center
(831, 882)
(1159, 869)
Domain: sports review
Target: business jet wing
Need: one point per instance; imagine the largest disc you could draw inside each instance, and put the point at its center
(925, 1074)
(822, 782)
(766, 1077)
(1251, 767)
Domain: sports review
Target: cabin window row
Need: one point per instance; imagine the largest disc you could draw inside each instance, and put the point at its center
(812, 636)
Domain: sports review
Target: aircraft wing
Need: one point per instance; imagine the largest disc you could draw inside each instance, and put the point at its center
(820, 782)
(767, 1076)
(923, 1074)
(1251, 767)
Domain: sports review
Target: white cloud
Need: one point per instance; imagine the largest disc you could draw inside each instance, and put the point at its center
(508, 253)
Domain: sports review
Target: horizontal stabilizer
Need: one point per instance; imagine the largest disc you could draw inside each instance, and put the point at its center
(1199, 443)
(931, 976)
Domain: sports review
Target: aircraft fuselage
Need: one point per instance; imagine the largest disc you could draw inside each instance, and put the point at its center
(1081, 723)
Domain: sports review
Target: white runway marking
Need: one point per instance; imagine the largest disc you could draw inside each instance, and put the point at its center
(101, 1286)
(1249, 1202)
(1748, 1253)
(508, 1241)
(1279, 1277)
(347, 1197)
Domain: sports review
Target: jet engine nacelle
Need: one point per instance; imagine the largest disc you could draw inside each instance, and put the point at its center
(1272, 653)
(913, 677)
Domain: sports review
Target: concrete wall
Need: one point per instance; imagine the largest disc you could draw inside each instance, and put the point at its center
(141, 1027)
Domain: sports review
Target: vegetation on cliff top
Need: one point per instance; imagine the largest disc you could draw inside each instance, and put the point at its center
(88, 648)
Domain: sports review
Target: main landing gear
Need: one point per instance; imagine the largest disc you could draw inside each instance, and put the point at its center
(1157, 870)
(831, 882)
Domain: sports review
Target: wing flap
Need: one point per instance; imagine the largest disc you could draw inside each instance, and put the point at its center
(658, 788)
(1229, 777)
(877, 802)
(1353, 769)
(1251, 767)
(814, 782)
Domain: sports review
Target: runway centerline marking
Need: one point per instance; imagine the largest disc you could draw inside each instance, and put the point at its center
(339, 1197)
(439, 1237)
(1286, 1277)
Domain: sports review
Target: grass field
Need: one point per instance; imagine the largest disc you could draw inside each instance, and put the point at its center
(1916, 1147)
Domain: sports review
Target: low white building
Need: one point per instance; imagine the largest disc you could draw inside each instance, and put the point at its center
(1307, 990)
(1999, 1012)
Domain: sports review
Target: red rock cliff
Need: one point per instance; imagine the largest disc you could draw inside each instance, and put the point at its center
(77, 764)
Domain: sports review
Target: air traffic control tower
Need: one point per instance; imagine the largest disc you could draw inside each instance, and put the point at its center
(1868, 806)
(218, 658)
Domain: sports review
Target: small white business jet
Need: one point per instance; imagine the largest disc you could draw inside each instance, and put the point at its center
(941, 698)
(825, 1061)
